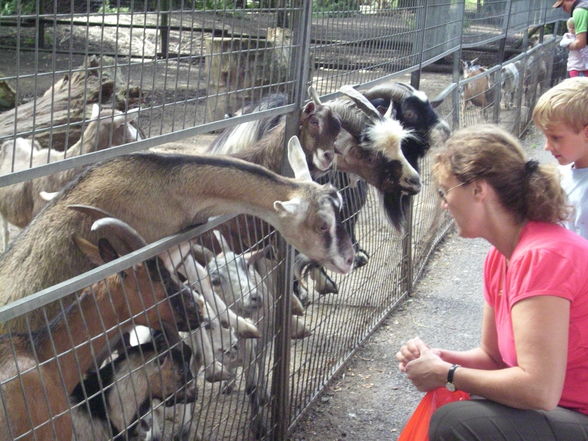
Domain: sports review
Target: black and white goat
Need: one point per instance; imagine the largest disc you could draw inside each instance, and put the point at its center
(123, 399)
(378, 160)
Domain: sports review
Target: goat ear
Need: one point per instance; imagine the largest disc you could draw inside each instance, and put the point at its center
(106, 250)
(253, 257)
(48, 196)
(314, 96)
(95, 111)
(308, 109)
(288, 208)
(89, 249)
(297, 160)
(222, 241)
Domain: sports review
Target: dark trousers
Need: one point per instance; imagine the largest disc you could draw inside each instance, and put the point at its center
(484, 420)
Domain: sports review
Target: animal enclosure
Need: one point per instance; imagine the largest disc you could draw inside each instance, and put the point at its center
(245, 338)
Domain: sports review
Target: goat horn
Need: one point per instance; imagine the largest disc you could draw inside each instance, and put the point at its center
(362, 103)
(314, 96)
(222, 241)
(202, 254)
(125, 235)
(94, 213)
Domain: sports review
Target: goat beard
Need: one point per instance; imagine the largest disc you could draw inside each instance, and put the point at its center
(395, 207)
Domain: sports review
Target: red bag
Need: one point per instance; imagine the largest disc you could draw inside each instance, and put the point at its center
(417, 427)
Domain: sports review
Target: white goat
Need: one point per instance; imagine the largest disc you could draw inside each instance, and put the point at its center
(209, 342)
(245, 283)
(510, 84)
(19, 203)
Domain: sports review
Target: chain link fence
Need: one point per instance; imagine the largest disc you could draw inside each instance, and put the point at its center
(208, 333)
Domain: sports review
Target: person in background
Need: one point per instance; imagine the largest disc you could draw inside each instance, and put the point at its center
(560, 113)
(529, 375)
(577, 59)
(578, 9)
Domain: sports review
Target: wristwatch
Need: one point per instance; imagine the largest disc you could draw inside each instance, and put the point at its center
(449, 385)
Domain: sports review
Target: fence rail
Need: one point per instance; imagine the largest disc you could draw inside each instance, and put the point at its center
(106, 79)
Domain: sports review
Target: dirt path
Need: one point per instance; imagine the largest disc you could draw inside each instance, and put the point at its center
(370, 400)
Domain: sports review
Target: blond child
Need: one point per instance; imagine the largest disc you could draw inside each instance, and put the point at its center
(577, 59)
(561, 115)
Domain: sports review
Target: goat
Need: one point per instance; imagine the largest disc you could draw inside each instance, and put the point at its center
(115, 400)
(164, 194)
(38, 375)
(19, 203)
(480, 91)
(535, 76)
(372, 149)
(262, 141)
(235, 279)
(509, 84)
(359, 155)
(245, 282)
(163, 423)
(211, 345)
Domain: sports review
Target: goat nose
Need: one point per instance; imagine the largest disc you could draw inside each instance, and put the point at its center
(414, 180)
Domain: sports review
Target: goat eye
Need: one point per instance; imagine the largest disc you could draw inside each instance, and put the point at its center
(314, 121)
(410, 115)
(215, 280)
(324, 227)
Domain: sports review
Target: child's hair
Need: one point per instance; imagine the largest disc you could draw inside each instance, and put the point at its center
(564, 103)
(570, 24)
(487, 152)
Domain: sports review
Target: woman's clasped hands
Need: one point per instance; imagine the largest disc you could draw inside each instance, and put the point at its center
(422, 364)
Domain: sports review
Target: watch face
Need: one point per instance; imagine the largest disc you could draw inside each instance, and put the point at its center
(450, 387)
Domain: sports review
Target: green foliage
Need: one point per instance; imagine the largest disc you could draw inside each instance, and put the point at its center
(336, 7)
(106, 8)
(17, 7)
(229, 6)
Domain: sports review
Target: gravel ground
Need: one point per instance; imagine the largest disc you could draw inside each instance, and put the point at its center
(370, 400)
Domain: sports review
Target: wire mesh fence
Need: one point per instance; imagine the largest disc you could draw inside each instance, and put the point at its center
(217, 329)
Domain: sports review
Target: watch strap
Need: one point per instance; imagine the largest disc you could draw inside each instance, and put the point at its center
(451, 373)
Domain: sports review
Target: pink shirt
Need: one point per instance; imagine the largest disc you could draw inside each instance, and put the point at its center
(548, 260)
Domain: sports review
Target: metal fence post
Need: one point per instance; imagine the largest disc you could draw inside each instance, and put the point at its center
(280, 396)
(456, 76)
(164, 27)
(500, 60)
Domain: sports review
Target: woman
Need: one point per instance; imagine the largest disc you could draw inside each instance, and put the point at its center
(530, 372)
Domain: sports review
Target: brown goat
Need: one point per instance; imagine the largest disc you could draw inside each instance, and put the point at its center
(262, 141)
(478, 92)
(38, 374)
(165, 194)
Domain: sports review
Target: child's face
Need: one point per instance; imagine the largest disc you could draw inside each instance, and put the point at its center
(567, 146)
